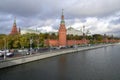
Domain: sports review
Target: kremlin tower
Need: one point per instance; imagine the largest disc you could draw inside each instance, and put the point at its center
(62, 40)
(14, 30)
(62, 32)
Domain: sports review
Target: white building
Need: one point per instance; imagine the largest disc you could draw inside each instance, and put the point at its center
(74, 32)
(24, 31)
(70, 31)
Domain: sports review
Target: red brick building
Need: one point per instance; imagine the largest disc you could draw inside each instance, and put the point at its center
(62, 42)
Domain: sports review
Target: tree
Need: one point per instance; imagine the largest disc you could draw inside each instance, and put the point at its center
(98, 38)
(53, 36)
(16, 44)
(24, 42)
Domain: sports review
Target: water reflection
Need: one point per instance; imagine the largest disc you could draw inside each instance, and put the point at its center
(62, 67)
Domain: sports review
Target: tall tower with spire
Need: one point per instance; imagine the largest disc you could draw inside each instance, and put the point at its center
(14, 30)
(62, 31)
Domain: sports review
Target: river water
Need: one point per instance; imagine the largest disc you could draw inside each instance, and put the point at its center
(97, 64)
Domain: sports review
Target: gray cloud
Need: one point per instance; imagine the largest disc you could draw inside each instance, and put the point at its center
(50, 8)
(95, 7)
(116, 21)
(40, 13)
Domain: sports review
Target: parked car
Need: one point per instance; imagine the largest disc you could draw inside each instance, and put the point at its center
(6, 52)
(32, 51)
(2, 53)
(9, 54)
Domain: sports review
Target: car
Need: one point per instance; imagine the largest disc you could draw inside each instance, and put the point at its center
(6, 52)
(9, 54)
(30, 51)
(62, 47)
(2, 53)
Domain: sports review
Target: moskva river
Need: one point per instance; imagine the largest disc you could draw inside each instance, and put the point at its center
(97, 64)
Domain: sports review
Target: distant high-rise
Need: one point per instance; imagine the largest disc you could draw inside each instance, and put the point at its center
(14, 30)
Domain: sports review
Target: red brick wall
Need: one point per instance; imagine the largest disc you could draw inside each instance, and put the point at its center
(51, 42)
(68, 43)
(73, 42)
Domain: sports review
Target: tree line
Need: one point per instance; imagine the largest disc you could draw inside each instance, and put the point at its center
(23, 41)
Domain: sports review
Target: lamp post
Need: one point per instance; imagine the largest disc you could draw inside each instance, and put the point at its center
(76, 45)
(31, 41)
(49, 44)
(4, 48)
(37, 41)
(84, 39)
(37, 45)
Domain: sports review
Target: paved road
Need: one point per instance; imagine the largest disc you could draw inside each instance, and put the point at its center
(42, 51)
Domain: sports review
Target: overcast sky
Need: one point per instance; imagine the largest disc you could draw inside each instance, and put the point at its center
(99, 16)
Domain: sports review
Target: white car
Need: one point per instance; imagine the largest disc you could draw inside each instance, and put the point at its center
(2, 53)
(9, 54)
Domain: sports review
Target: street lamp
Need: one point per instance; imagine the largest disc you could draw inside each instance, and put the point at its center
(75, 45)
(4, 48)
(37, 45)
(31, 41)
(84, 39)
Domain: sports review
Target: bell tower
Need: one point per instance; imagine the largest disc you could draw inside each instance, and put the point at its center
(62, 32)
